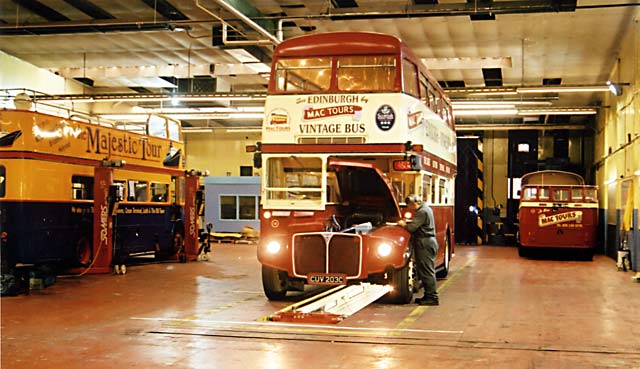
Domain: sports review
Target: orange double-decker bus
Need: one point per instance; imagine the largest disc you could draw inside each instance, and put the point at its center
(557, 210)
(73, 190)
(354, 123)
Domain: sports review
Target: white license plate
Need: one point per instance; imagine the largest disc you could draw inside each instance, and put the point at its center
(326, 279)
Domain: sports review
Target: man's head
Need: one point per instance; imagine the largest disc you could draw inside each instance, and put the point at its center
(413, 201)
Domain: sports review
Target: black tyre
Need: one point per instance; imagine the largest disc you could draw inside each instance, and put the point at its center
(84, 251)
(402, 282)
(177, 244)
(586, 254)
(443, 270)
(274, 283)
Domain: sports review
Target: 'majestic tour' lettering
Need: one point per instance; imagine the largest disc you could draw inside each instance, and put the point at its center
(100, 143)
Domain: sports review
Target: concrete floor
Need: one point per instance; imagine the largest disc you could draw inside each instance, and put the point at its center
(497, 311)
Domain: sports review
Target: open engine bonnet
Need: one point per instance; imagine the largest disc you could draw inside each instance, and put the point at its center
(365, 193)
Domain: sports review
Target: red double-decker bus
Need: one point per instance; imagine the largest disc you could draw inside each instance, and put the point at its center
(353, 124)
(557, 210)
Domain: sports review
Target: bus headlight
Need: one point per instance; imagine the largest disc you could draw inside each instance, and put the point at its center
(384, 249)
(273, 247)
(266, 214)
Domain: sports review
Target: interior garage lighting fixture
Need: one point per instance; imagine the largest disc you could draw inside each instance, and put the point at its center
(610, 86)
(524, 112)
(561, 89)
(185, 116)
(150, 98)
(496, 104)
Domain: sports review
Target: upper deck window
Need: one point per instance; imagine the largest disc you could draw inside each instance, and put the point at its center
(576, 194)
(303, 74)
(157, 126)
(530, 193)
(174, 130)
(590, 195)
(366, 73)
(544, 194)
(410, 78)
(560, 194)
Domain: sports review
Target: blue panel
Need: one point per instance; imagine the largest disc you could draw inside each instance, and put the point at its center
(229, 186)
(45, 233)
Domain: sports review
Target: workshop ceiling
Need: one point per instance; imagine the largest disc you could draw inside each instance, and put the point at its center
(176, 46)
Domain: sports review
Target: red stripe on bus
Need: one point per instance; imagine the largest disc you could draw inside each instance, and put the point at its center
(333, 148)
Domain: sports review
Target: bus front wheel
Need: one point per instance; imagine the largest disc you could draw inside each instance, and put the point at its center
(274, 283)
(523, 251)
(402, 282)
(443, 271)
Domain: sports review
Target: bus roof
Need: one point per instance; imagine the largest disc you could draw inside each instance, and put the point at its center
(340, 43)
(552, 177)
(351, 43)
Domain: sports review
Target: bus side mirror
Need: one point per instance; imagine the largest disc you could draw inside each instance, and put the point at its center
(257, 160)
(415, 162)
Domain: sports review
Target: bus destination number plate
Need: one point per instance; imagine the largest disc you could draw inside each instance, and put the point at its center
(326, 279)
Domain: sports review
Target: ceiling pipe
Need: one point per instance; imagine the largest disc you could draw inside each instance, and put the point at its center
(226, 41)
(269, 37)
(441, 10)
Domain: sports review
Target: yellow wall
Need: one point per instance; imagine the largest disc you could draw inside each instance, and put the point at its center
(617, 149)
(220, 152)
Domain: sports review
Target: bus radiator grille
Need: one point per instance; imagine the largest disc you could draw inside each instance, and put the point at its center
(311, 252)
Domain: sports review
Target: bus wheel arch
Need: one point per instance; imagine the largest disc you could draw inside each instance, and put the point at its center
(274, 282)
(403, 281)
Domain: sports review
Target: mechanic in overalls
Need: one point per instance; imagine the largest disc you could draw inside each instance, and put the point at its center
(425, 246)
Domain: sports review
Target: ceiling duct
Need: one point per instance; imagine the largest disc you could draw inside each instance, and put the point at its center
(476, 9)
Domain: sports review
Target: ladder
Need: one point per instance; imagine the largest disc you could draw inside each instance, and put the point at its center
(332, 306)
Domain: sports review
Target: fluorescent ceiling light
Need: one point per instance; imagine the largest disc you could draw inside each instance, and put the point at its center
(465, 103)
(468, 62)
(148, 98)
(458, 107)
(525, 112)
(478, 112)
(196, 130)
(214, 110)
(247, 129)
(482, 91)
(559, 111)
(560, 89)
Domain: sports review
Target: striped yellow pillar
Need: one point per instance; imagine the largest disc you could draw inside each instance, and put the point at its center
(480, 235)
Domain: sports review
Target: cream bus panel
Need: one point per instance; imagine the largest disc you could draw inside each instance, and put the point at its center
(355, 119)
